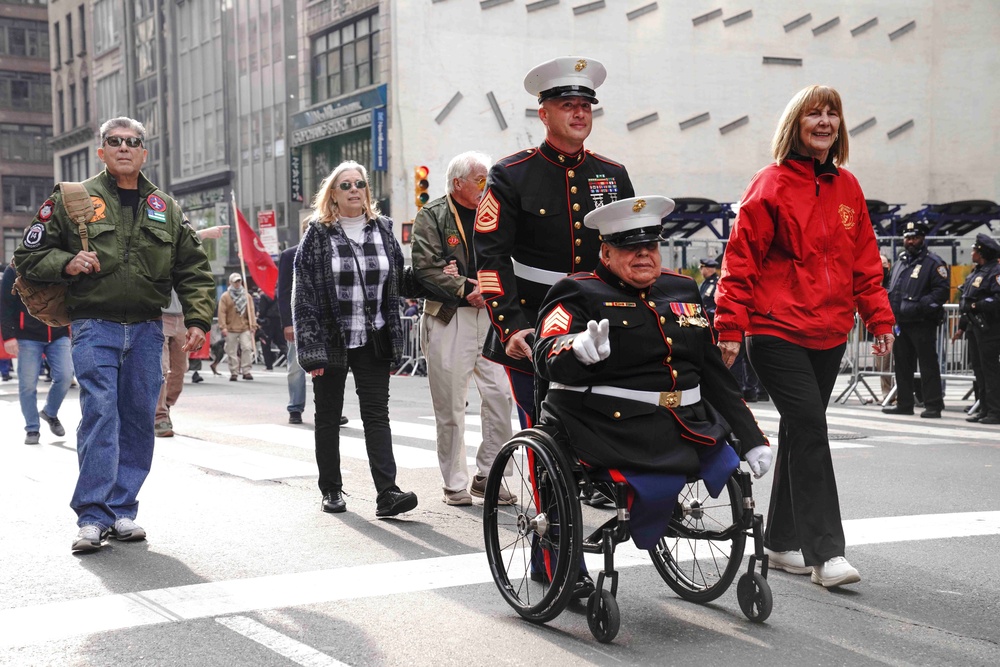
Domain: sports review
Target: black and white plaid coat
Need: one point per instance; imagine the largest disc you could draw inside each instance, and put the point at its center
(320, 326)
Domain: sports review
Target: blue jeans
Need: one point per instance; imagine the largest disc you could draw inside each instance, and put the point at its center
(118, 367)
(296, 382)
(29, 365)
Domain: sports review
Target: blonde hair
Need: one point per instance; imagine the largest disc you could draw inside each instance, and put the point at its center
(324, 205)
(786, 137)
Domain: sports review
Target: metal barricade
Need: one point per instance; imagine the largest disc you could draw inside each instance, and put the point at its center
(413, 362)
(862, 364)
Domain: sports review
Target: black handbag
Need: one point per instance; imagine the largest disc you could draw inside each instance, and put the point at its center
(380, 339)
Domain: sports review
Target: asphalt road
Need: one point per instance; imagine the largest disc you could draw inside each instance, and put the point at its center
(242, 568)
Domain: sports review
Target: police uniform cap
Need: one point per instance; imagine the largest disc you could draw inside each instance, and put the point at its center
(915, 228)
(234, 278)
(569, 76)
(630, 221)
(986, 246)
(710, 263)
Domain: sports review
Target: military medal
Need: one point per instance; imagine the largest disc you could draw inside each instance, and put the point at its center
(600, 186)
(688, 315)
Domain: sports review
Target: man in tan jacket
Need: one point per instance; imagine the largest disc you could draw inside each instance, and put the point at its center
(234, 322)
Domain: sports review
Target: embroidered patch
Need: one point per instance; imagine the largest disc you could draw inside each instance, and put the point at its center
(488, 214)
(159, 216)
(34, 235)
(556, 323)
(847, 217)
(100, 208)
(489, 283)
(453, 240)
(942, 271)
(156, 203)
(45, 212)
(600, 186)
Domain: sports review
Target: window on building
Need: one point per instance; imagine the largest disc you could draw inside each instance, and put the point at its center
(83, 29)
(85, 91)
(106, 25)
(24, 194)
(145, 48)
(25, 143)
(61, 111)
(75, 166)
(72, 105)
(69, 38)
(56, 35)
(144, 8)
(110, 99)
(25, 91)
(344, 59)
(19, 37)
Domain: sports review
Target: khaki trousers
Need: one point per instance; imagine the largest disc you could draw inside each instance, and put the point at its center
(453, 358)
(174, 363)
(239, 350)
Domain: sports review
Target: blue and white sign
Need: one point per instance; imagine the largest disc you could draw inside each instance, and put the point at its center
(380, 141)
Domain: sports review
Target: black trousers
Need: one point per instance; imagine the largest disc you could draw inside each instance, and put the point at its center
(805, 509)
(917, 342)
(371, 380)
(988, 351)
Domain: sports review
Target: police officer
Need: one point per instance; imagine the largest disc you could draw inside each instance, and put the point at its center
(980, 308)
(633, 366)
(919, 286)
(709, 271)
(529, 225)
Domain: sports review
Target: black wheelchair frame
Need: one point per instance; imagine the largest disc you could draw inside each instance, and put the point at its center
(698, 558)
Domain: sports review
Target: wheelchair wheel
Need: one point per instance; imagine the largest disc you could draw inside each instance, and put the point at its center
(703, 548)
(544, 523)
(754, 596)
(603, 616)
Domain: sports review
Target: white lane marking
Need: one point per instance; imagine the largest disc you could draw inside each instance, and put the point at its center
(894, 424)
(283, 645)
(233, 460)
(406, 456)
(57, 621)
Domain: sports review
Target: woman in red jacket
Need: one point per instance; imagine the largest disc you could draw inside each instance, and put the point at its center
(801, 259)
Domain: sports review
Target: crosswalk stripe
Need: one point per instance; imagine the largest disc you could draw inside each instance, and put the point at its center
(57, 621)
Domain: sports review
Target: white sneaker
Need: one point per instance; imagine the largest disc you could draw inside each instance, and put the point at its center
(835, 572)
(789, 561)
(127, 530)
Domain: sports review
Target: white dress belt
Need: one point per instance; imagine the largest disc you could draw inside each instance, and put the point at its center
(536, 275)
(667, 399)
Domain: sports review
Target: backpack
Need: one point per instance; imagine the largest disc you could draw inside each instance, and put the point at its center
(46, 302)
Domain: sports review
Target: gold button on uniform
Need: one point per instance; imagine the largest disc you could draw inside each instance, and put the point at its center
(494, 304)
(674, 373)
(577, 224)
(499, 318)
(652, 305)
(571, 173)
(624, 323)
(576, 207)
(577, 259)
(506, 331)
(670, 341)
(541, 211)
(523, 302)
(579, 241)
(573, 190)
(663, 320)
(617, 415)
(668, 359)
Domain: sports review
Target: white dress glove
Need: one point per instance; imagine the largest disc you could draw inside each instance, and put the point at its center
(592, 345)
(759, 459)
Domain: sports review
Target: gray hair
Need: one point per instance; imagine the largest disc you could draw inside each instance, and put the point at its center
(125, 122)
(462, 165)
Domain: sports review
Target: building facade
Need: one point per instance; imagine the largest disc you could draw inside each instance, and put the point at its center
(26, 61)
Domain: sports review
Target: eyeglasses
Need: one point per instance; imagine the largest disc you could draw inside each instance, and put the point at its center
(346, 185)
(131, 142)
(481, 182)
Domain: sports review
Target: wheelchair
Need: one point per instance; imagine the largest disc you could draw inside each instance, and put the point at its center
(698, 558)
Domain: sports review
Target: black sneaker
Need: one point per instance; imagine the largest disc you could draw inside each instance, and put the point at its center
(333, 502)
(32, 437)
(343, 420)
(54, 424)
(196, 378)
(294, 417)
(394, 501)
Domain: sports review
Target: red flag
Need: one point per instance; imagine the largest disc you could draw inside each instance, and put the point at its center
(260, 265)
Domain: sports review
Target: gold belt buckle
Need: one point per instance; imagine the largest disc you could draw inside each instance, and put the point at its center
(670, 399)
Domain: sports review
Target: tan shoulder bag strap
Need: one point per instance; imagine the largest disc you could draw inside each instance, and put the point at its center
(79, 206)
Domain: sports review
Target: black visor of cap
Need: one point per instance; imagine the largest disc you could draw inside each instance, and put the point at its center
(633, 236)
(568, 91)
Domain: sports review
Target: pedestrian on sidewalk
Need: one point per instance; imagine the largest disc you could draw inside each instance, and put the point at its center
(29, 340)
(115, 296)
(980, 308)
(349, 275)
(236, 328)
(801, 259)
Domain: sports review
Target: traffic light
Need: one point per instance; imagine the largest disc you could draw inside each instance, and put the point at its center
(420, 185)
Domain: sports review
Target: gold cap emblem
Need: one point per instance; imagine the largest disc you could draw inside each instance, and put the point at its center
(639, 205)
(581, 65)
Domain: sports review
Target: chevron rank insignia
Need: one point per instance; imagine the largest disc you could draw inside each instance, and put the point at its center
(488, 214)
(489, 283)
(556, 322)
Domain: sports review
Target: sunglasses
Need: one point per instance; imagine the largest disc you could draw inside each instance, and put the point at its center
(346, 185)
(481, 182)
(131, 142)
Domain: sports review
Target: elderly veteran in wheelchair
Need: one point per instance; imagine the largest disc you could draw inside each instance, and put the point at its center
(637, 386)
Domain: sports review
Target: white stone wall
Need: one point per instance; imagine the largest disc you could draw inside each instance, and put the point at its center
(941, 75)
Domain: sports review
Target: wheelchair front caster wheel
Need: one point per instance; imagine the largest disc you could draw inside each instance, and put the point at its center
(754, 595)
(603, 616)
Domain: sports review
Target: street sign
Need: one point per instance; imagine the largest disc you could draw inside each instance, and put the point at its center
(267, 227)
